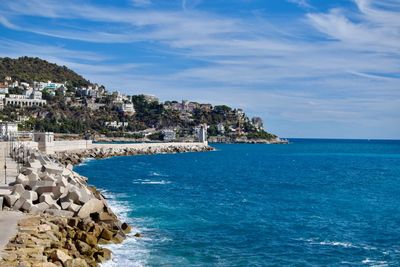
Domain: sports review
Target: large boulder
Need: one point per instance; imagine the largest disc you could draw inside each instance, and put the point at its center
(22, 179)
(35, 164)
(92, 206)
(61, 256)
(18, 189)
(47, 198)
(18, 204)
(29, 195)
(74, 208)
(27, 206)
(42, 206)
(52, 168)
(10, 200)
(61, 213)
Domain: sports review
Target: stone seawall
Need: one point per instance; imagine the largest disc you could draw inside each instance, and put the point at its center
(110, 150)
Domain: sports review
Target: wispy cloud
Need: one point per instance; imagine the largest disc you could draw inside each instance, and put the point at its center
(301, 3)
(342, 61)
(141, 2)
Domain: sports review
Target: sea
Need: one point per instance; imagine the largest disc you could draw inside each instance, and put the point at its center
(309, 203)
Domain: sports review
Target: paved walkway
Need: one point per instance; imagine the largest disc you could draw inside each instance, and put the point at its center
(8, 226)
(11, 172)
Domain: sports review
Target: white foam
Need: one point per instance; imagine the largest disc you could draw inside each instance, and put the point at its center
(337, 244)
(133, 251)
(146, 181)
(374, 263)
(85, 161)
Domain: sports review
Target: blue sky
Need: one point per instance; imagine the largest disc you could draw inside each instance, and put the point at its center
(309, 68)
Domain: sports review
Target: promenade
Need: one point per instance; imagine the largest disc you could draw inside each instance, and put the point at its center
(7, 175)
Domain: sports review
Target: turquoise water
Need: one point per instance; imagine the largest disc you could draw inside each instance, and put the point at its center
(310, 203)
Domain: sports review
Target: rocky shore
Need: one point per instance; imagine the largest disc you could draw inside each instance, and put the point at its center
(68, 220)
(76, 157)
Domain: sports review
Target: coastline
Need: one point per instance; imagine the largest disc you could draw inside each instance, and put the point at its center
(65, 235)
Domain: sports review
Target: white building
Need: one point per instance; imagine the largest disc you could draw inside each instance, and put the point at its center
(126, 108)
(169, 135)
(48, 86)
(221, 128)
(24, 102)
(116, 124)
(8, 129)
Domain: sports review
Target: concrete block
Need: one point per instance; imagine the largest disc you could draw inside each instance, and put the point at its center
(55, 206)
(33, 176)
(18, 189)
(44, 189)
(42, 206)
(48, 177)
(52, 168)
(34, 210)
(66, 204)
(27, 205)
(58, 191)
(22, 179)
(27, 170)
(47, 198)
(34, 185)
(74, 194)
(74, 208)
(66, 172)
(29, 195)
(18, 204)
(62, 181)
(61, 213)
(1, 203)
(92, 206)
(35, 164)
(10, 200)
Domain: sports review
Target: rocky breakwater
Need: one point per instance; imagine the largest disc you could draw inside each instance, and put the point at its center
(76, 157)
(68, 222)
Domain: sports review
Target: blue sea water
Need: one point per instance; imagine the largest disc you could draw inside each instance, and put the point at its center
(310, 203)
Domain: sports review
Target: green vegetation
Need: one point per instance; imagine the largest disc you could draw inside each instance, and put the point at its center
(29, 69)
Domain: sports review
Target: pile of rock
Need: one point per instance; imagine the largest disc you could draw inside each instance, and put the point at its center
(71, 217)
(58, 241)
(76, 157)
(45, 186)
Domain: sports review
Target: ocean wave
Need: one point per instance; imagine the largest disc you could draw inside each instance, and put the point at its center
(157, 174)
(375, 263)
(133, 251)
(338, 244)
(85, 161)
(145, 181)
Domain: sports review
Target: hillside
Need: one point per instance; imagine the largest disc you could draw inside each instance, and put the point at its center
(29, 69)
(83, 107)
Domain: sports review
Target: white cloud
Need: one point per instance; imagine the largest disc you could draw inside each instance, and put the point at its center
(141, 2)
(338, 66)
(301, 3)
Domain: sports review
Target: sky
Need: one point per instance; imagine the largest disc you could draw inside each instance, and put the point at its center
(309, 68)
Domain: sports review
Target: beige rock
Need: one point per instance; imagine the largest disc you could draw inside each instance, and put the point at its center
(92, 206)
(59, 255)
